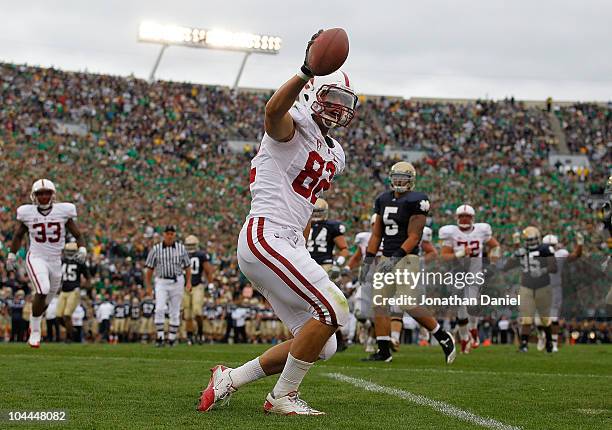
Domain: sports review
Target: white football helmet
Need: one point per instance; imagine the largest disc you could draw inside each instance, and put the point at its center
(465, 210)
(42, 185)
(331, 98)
(550, 239)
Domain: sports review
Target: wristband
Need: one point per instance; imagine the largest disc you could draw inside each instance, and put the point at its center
(305, 73)
(400, 253)
(369, 254)
(340, 260)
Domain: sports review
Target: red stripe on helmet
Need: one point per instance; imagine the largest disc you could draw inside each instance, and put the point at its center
(346, 79)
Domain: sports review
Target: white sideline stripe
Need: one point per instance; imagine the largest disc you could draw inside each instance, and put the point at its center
(323, 366)
(438, 406)
(468, 372)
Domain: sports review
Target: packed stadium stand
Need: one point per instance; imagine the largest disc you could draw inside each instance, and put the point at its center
(134, 156)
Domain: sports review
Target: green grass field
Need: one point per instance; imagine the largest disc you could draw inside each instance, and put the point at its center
(138, 386)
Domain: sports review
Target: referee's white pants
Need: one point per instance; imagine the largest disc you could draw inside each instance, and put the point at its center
(170, 292)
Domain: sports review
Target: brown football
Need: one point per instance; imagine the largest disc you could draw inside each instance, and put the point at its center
(328, 52)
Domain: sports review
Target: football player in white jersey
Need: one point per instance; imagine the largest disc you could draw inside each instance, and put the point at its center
(297, 160)
(46, 222)
(562, 256)
(467, 242)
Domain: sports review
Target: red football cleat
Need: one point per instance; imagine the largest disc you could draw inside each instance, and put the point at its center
(218, 391)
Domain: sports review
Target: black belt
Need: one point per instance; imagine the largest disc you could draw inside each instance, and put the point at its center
(172, 278)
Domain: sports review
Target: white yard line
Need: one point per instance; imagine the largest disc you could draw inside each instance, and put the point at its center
(438, 406)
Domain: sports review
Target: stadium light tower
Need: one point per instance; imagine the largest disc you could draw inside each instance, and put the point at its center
(167, 35)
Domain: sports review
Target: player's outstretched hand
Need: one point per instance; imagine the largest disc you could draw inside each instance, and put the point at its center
(81, 254)
(306, 67)
(11, 262)
(388, 265)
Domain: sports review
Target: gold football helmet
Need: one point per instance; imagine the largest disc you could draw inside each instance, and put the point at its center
(192, 243)
(403, 177)
(70, 250)
(320, 211)
(532, 237)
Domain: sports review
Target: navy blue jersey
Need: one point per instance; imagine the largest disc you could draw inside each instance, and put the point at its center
(135, 311)
(121, 311)
(534, 265)
(71, 274)
(148, 307)
(395, 213)
(197, 258)
(321, 240)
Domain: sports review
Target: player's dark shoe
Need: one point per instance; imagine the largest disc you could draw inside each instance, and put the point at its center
(549, 347)
(172, 343)
(523, 348)
(159, 343)
(377, 356)
(447, 342)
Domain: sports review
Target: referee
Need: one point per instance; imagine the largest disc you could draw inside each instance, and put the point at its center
(168, 259)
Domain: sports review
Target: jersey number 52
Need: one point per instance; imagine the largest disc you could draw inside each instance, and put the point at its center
(308, 183)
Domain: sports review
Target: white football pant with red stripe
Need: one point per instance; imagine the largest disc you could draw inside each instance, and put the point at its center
(45, 274)
(279, 266)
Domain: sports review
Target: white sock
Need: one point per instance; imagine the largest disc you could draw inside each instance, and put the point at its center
(248, 372)
(291, 377)
(395, 335)
(35, 323)
(463, 332)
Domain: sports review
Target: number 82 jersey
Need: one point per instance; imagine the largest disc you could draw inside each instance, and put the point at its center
(287, 177)
(47, 232)
(395, 213)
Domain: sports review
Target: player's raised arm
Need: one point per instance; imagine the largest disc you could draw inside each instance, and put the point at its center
(278, 122)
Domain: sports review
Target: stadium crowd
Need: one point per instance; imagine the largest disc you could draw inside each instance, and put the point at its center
(134, 155)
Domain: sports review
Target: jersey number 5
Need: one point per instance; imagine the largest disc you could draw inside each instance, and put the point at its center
(391, 227)
(308, 183)
(55, 232)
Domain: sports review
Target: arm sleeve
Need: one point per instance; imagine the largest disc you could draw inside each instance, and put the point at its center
(421, 206)
(21, 213)
(71, 212)
(377, 206)
(186, 260)
(150, 263)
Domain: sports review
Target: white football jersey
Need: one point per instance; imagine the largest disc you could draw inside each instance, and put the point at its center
(362, 239)
(47, 232)
(475, 239)
(287, 177)
(561, 257)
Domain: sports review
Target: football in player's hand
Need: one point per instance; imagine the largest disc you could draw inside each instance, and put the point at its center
(328, 51)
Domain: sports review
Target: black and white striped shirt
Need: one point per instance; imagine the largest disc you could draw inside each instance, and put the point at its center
(168, 261)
